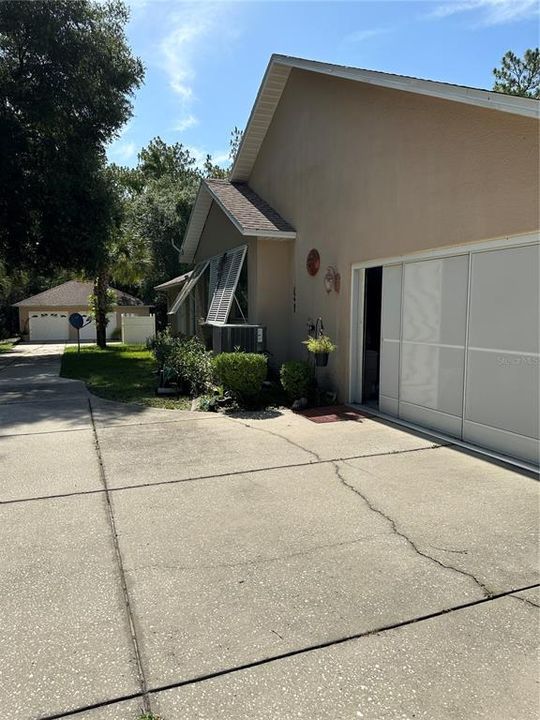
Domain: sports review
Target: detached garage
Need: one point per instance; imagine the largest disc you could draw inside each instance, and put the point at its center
(45, 316)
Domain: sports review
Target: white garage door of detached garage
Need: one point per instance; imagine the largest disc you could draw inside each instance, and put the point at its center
(459, 344)
(88, 331)
(48, 326)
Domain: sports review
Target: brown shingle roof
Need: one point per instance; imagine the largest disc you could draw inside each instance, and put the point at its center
(251, 212)
(73, 293)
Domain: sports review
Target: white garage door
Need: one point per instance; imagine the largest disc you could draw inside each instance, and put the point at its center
(48, 326)
(502, 392)
(88, 332)
(460, 346)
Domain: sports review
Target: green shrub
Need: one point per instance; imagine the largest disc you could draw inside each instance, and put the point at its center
(297, 378)
(192, 363)
(241, 373)
(162, 346)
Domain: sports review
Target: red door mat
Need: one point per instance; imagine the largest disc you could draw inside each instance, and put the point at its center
(332, 413)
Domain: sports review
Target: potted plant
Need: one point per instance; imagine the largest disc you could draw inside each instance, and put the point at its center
(321, 347)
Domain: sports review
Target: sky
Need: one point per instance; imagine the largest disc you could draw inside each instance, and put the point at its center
(205, 60)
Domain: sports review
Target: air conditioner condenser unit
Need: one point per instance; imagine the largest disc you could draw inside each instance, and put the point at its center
(228, 338)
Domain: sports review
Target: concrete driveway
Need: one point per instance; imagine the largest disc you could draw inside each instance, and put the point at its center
(201, 566)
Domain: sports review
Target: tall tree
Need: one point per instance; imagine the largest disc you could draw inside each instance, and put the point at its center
(157, 196)
(157, 199)
(67, 76)
(234, 144)
(519, 76)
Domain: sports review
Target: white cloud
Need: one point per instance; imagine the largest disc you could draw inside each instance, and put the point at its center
(362, 35)
(219, 157)
(492, 12)
(122, 150)
(188, 121)
(194, 30)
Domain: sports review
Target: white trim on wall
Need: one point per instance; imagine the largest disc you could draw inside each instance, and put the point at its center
(531, 238)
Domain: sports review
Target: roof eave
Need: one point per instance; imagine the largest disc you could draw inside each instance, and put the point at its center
(190, 243)
(174, 282)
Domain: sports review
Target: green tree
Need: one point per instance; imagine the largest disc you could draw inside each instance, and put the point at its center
(67, 76)
(234, 143)
(66, 79)
(519, 76)
(157, 197)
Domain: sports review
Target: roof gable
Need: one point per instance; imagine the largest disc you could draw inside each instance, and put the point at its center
(279, 69)
(250, 214)
(73, 293)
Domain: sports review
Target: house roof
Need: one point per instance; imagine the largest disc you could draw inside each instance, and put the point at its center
(73, 293)
(174, 282)
(249, 213)
(229, 195)
(279, 69)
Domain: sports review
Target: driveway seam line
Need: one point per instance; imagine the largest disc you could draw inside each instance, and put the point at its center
(104, 427)
(218, 476)
(292, 653)
(399, 533)
(123, 582)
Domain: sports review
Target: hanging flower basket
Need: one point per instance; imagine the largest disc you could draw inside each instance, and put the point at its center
(321, 359)
(321, 347)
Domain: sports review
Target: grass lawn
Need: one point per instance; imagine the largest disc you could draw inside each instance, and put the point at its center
(121, 372)
(5, 346)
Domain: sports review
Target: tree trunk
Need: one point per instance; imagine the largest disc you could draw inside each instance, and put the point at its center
(101, 283)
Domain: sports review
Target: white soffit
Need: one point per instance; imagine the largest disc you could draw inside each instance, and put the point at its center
(197, 220)
(174, 282)
(278, 72)
(269, 94)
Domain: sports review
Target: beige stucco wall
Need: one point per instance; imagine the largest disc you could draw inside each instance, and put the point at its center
(272, 295)
(218, 235)
(24, 312)
(363, 173)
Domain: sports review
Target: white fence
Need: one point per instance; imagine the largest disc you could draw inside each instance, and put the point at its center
(137, 329)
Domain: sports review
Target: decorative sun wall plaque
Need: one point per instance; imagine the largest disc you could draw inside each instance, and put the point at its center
(313, 262)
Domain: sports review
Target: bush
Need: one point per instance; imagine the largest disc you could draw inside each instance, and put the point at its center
(241, 373)
(192, 363)
(162, 346)
(297, 378)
